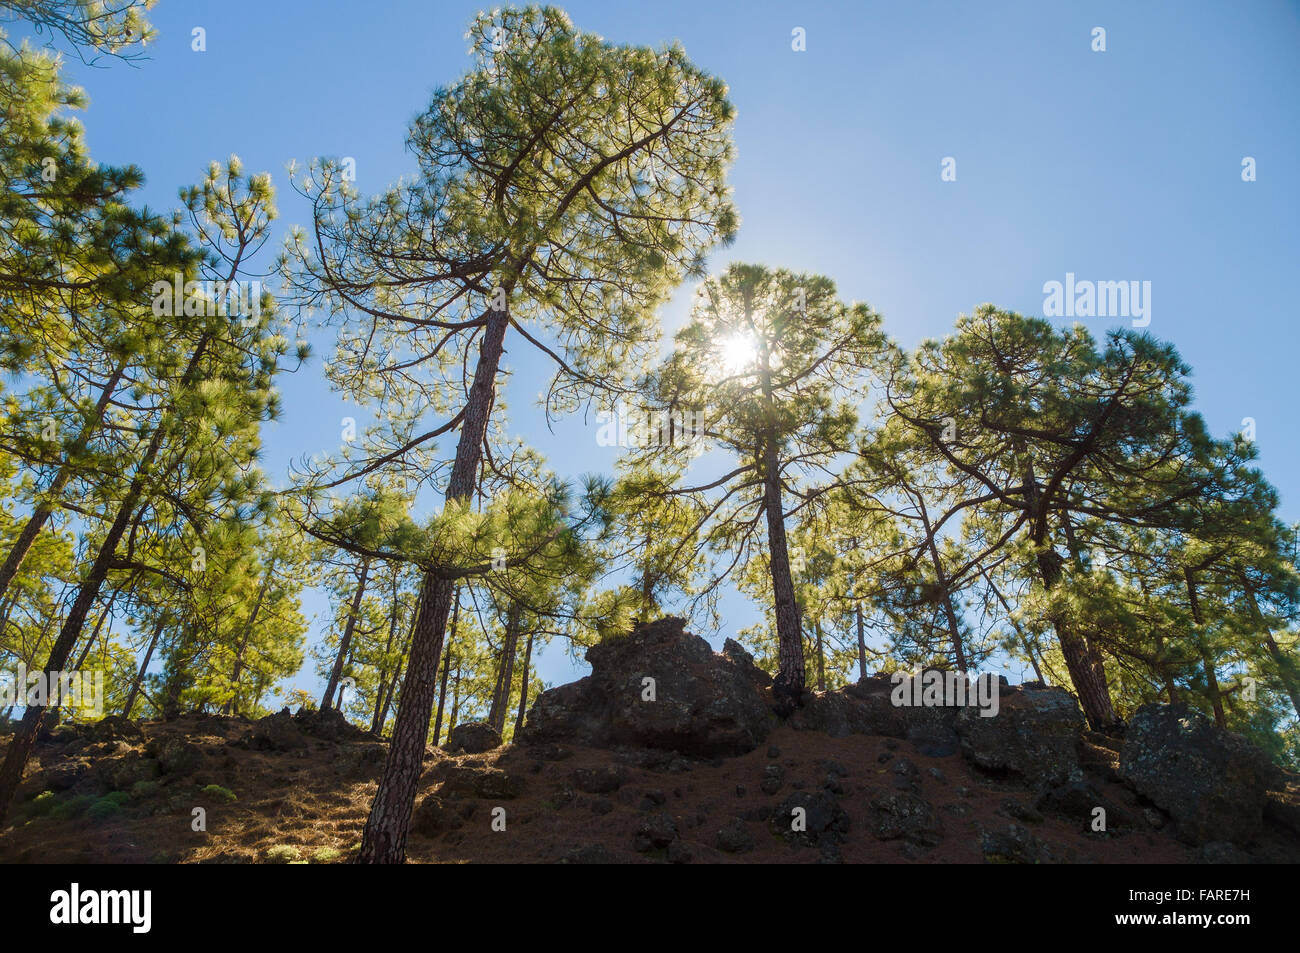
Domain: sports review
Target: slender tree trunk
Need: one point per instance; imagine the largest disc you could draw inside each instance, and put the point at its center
(345, 643)
(1211, 676)
(1024, 639)
(381, 683)
(1286, 669)
(237, 674)
(43, 510)
(442, 696)
(90, 642)
(789, 684)
(455, 701)
(1162, 669)
(647, 582)
(862, 644)
(20, 747)
(523, 684)
(446, 668)
(384, 839)
(821, 656)
(144, 667)
(505, 671)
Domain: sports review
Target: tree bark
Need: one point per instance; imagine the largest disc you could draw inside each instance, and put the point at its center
(238, 672)
(1211, 676)
(862, 643)
(1285, 667)
(144, 666)
(43, 510)
(1086, 675)
(384, 839)
(505, 673)
(20, 747)
(788, 687)
(523, 684)
(345, 643)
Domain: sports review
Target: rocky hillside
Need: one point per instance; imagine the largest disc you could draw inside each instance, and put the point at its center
(668, 751)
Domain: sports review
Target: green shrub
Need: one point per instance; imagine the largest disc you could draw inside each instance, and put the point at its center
(72, 807)
(144, 789)
(219, 793)
(282, 854)
(110, 805)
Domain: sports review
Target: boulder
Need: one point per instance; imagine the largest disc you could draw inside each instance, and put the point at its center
(901, 814)
(434, 816)
(702, 703)
(1034, 735)
(328, 725)
(175, 755)
(822, 819)
(1210, 781)
(473, 737)
(276, 732)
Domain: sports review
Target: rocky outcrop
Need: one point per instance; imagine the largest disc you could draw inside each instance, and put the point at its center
(473, 737)
(659, 687)
(1211, 782)
(1034, 735)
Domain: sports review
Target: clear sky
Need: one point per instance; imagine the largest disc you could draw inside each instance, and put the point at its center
(1123, 165)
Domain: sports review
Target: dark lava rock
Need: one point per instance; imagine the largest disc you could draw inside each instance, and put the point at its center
(656, 831)
(1015, 845)
(705, 703)
(473, 737)
(175, 755)
(822, 819)
(1034, 735)
(734, 838)
(900, 814)
(603, 779)
(1210, 781)
(435, 816)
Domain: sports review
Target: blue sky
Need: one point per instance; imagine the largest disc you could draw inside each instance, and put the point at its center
(1115, 165)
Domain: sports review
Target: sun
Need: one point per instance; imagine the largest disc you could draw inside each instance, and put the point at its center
(736, 352)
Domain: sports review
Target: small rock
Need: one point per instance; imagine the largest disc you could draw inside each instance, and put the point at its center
(734, 838)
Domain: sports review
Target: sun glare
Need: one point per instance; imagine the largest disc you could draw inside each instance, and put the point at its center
(736, 353)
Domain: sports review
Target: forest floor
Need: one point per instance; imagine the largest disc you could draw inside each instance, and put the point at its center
(128, 795)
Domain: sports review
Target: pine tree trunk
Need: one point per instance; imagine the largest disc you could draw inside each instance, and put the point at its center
(1211, 676)
(99, 626)
(523, 685)
(862, 644)
(1085, 674)
(505, 672)
(1285, 667)
(442, 696)
(345, 643)
(446, 668)
(1162, 669)
(821, 656)
(20, 746)
(144, 666)
(237, 674)
(43, 510)
(789, 684)
(384, 839)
